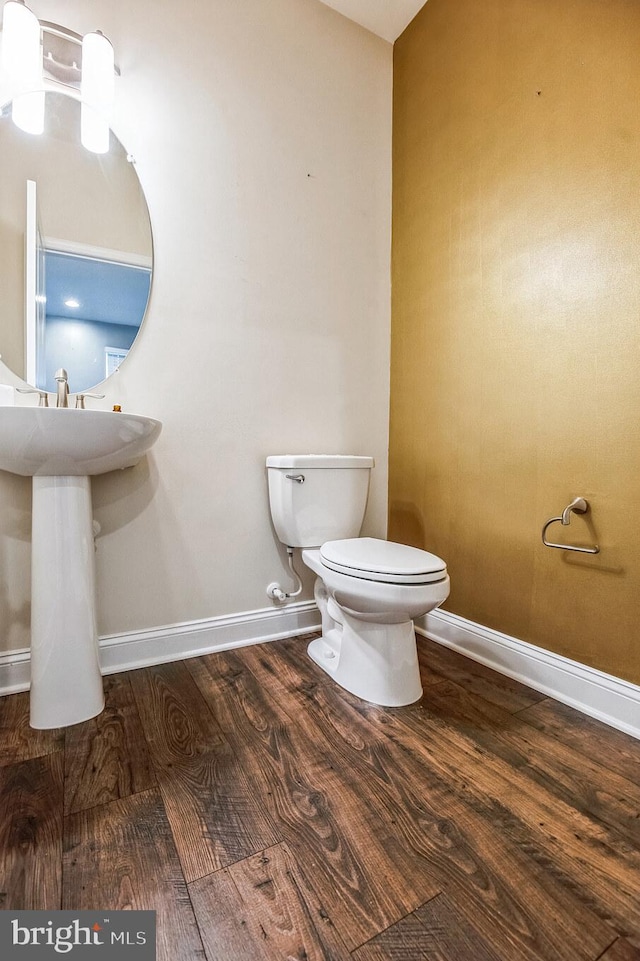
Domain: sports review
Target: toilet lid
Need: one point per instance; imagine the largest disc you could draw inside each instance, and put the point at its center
(375, 560)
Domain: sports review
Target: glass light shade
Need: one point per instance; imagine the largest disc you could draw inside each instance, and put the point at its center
(97, 72)
(27, 112)
(21, 52)
(96, 92)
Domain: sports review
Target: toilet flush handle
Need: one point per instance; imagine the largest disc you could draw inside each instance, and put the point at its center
(298, 478)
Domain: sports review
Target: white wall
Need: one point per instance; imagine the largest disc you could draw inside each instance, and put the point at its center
(262, 134)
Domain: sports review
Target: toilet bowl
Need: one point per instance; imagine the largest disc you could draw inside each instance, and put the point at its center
(368, 590)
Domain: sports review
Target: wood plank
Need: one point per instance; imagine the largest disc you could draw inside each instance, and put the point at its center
(214, 814)
(292, 678)
(507, 895)
(403, 941)
(177, 721)
(597, 792)
(223, 920)
(106, 757)
(621, 950)
(476, 678)
(366, 880)
(18, 741)
(434, 932)
(263, 909)
(602, 870)
(121, 856)
(612, 749)
(449, 937)
(31, 834)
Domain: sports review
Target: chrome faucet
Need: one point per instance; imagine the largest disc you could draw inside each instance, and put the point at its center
(61, 377)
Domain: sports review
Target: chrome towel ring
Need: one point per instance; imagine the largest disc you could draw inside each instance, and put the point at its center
(578, 506)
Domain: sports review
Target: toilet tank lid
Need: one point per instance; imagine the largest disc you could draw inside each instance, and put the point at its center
(319, 461)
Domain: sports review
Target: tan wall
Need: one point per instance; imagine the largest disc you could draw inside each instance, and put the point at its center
(516, 313)
(262, 134)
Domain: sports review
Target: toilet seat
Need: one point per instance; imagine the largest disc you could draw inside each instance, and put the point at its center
(371, 559)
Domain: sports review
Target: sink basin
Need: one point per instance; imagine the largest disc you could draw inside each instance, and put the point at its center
(60, 449)
(58, 441)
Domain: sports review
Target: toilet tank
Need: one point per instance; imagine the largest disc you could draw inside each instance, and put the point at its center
(317, 497)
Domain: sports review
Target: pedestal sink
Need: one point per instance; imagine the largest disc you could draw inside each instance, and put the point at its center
(61, 449)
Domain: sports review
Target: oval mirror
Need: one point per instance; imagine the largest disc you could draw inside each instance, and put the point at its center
(75, 251)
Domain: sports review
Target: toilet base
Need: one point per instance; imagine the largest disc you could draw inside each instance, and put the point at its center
(376, 662)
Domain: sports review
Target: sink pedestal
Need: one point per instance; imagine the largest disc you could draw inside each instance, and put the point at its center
(66, 682)
(61, 448)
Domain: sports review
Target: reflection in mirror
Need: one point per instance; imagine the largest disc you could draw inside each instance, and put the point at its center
(93, 308)
(75, 251)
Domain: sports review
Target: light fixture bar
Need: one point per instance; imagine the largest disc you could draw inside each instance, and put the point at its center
(34, 60)
(59, 31)
(56, 30)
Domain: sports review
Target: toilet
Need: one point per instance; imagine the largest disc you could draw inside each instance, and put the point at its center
(368, 590)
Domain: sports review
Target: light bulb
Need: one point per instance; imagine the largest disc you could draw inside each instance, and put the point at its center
(21, 55)
(22, 61)
(96, 92)
(27, 112)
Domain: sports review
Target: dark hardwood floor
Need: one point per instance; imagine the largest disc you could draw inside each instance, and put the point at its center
(265, 814)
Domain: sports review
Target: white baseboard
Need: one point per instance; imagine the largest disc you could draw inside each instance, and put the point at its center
(134, 649)
(607, 698)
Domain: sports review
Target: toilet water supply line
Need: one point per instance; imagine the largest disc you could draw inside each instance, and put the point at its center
(275, 592)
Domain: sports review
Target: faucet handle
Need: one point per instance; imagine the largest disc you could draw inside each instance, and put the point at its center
(44, 397)
(80, 399)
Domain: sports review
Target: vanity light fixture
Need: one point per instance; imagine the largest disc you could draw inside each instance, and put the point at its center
(38, 55)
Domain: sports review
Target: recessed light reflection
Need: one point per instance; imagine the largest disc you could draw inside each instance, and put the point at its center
(72, 302)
